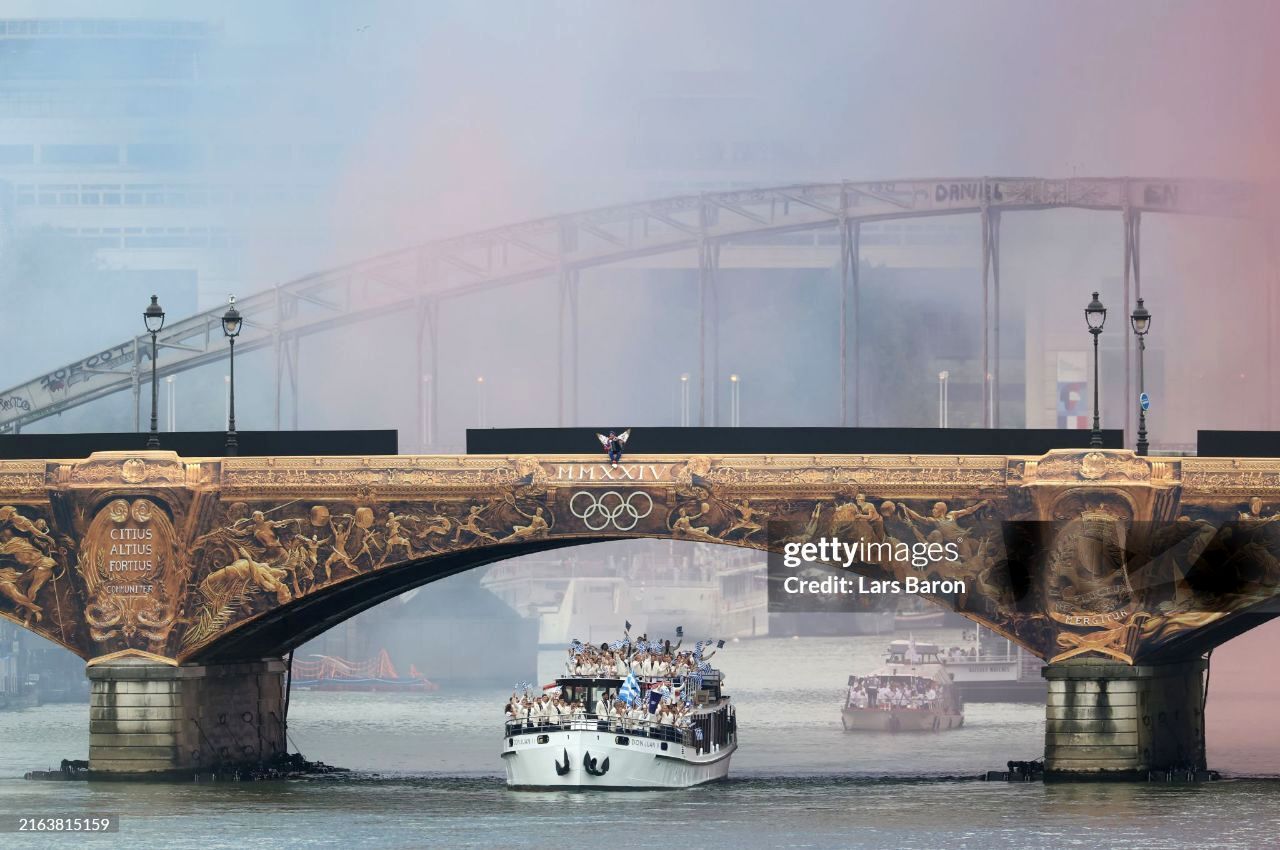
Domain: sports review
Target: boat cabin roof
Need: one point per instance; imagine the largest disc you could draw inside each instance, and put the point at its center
(900, 651)
(590, 681)
(902, 671)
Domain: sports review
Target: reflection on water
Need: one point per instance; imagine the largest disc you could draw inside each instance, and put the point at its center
(428, 775)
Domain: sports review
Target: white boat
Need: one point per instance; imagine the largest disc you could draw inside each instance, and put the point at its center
(996, 669)
(623, 754)
(912, 692)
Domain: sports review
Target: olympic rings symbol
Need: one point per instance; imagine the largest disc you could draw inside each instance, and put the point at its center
(611, 509)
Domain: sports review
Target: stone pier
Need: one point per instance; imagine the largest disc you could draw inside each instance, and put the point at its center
(1109, 720)
(148, 719)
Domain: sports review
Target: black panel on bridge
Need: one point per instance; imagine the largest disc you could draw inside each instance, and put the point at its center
(664, 440)
(1238, 443)
(204, 443)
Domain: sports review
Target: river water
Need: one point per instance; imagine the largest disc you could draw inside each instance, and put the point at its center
(426, 774)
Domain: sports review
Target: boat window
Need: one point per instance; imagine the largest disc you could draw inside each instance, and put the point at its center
(542, 739)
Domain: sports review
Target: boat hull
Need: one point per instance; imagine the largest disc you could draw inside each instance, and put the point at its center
(899, 720)
(641, 763)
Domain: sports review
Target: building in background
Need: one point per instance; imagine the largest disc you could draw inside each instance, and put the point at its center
(34, 671)
(112, 142)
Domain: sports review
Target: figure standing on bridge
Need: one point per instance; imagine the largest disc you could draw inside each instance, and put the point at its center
(613, 445)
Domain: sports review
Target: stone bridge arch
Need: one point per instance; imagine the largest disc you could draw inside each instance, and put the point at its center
(193, 574)
(1094, 553)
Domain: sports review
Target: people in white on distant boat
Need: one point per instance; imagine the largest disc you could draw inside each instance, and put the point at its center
(917, 692)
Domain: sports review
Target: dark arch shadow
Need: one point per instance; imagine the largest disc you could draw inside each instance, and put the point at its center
(277, 631)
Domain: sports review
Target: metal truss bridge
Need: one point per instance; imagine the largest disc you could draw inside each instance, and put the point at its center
(420, 278)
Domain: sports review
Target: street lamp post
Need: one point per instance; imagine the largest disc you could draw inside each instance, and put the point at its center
(1095, 316)
(231, 324)
(734, 409)
(1141, 321)
(153, 318)
(943, 376)
(991, 398)
(684, 400)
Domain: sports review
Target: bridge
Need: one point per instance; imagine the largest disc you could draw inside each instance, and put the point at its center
(418, 280)
(182, 581)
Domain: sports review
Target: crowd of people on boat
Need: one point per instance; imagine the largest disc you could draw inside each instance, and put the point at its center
(655, 683)
(656, 660)
(898, 692)
(669, 712)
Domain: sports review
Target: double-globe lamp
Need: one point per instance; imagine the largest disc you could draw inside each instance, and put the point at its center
(1095, 316)
(231, 324)
(153, 319)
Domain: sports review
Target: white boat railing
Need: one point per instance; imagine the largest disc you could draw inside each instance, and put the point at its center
(593, 723)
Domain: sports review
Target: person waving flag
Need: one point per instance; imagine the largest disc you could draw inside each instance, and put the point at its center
(630, 689)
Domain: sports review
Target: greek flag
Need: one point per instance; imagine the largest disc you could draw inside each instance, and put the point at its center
(641, 646)
(697, 651)
(630, 689)
(617, 644)
(704, 666)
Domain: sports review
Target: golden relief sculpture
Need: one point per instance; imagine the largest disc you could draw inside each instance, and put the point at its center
(1078, 552)
(132, 579)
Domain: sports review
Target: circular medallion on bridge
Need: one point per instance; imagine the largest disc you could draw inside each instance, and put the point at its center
(141, 511)
(1093, 466)
(133, 470)
(118, 511)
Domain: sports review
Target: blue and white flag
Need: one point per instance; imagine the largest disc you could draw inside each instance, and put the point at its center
(617, 644)
(704, 666)
(630, 689)
(697, 651)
